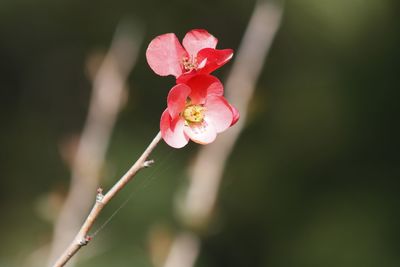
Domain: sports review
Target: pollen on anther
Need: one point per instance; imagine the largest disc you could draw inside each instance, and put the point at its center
(194, 113)
(189, 64)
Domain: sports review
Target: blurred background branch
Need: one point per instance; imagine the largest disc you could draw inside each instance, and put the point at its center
(207, 171)
(109, 94)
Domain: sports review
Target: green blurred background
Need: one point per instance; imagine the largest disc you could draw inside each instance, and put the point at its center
(313, 180)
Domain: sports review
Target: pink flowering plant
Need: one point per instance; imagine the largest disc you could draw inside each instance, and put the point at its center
(199, 55)
(196, 109)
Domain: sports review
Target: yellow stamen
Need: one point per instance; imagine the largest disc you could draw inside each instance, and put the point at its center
(194, 113)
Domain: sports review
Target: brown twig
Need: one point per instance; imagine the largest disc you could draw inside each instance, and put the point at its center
(108, 96)
(83, 238)
(208, 167)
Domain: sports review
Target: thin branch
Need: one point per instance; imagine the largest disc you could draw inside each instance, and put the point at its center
(108, 96)
(208, 167)
(83, 238)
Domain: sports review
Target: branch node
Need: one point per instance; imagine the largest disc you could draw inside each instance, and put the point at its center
(99, 196)
(85, 241)
(148, 163)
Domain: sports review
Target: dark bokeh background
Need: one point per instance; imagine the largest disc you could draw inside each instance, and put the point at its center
(313, 180)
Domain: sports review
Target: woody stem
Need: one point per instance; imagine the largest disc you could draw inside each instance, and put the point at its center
(82, 238)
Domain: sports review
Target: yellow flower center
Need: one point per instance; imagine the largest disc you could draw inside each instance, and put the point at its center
(189, 63)
(194, 113)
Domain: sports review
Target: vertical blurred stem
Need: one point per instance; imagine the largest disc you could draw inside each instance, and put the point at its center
(108, 96)
(208, 167)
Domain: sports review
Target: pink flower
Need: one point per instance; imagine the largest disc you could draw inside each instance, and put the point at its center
(197, 111)
(166, 56)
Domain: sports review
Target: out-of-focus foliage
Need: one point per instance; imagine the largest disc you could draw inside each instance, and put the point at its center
(313, 180)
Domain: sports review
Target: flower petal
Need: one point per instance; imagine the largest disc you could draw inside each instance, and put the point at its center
(218, 112)
(177, 99)
(201, 133)
(164, 55)
(197, 39)
(214, 58)
(186, 76)
(172, 130)
(203, 85)
(235, 114)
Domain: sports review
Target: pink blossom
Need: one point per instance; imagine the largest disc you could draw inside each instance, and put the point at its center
(196, 110)
(166, 56)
